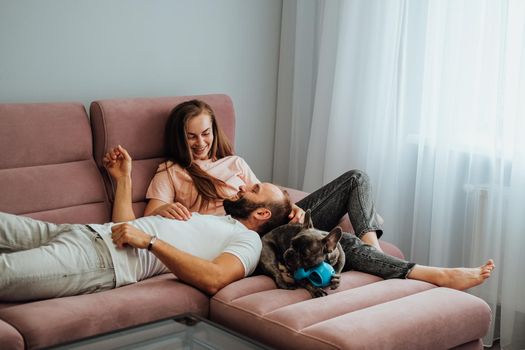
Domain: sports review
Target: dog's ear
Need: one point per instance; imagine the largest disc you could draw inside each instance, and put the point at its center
(330, 241)
(308, 223)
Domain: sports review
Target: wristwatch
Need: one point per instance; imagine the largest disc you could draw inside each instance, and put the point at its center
(152, 242)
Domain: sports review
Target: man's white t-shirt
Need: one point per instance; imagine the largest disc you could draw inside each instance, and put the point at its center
(205, 236)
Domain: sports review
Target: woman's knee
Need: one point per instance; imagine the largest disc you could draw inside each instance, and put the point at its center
(356, 174)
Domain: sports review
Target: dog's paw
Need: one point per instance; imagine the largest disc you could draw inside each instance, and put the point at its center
(287, 278)
(317, 292)
(335, 281)
(281, 267)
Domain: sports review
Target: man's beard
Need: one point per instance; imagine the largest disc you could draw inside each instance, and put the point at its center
(240, 208)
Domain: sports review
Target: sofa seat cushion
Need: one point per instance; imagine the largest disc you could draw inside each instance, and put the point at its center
(86, 315)
(365, 312)
(11, 339)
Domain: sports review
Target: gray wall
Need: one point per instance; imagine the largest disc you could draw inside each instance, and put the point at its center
(83, 50)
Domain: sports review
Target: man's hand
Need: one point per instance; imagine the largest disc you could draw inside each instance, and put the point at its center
(127, 234)
(117, 162)
(173, 211)
(297, 215)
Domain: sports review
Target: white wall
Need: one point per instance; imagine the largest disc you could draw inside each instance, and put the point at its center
(63, 50)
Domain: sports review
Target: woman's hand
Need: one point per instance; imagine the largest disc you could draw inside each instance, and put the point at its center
(297, 215)
(117, 162)
(173, 211)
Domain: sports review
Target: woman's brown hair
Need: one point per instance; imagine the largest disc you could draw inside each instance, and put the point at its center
(178, 150)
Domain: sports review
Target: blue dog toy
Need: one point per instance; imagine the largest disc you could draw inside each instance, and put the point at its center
(319, 275)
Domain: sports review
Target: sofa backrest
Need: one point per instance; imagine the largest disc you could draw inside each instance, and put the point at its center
(138, 125)
(47, 170)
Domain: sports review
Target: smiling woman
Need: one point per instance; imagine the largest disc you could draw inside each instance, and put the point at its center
(201, 169)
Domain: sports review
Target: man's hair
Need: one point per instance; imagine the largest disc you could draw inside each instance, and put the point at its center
(243, 207)
(280, 210)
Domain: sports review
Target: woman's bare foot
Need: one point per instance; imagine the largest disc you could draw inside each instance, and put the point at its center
(460, 278)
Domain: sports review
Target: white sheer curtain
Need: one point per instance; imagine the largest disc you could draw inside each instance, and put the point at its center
(428, 97)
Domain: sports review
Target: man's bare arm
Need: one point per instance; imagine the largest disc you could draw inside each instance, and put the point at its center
(118, 164)
(208, 276)
(122, 206)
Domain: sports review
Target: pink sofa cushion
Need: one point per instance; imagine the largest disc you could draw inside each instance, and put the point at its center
(48, 322)
(49, 172)
(43, 133)
(10, 339)
(364, 312)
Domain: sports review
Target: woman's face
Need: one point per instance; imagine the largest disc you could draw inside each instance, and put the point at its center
(199, 134)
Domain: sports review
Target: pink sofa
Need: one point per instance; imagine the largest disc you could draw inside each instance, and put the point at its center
(50, 169)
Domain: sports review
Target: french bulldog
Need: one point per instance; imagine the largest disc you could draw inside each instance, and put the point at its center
(292, 246)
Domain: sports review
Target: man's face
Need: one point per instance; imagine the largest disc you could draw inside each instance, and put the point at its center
(250, 198)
